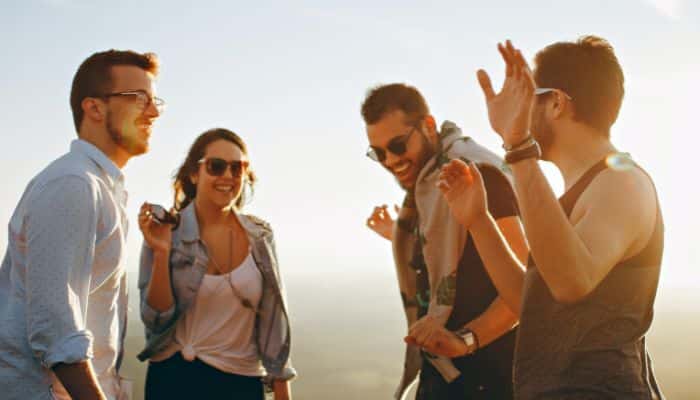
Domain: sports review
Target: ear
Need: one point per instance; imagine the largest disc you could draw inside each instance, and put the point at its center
(194, 177)
(559, 105)
(430, 127)
(93, 109)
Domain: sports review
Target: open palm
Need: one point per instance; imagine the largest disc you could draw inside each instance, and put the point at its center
(510, 109)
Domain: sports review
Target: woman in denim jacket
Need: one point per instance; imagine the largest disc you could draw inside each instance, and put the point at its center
(211, 296)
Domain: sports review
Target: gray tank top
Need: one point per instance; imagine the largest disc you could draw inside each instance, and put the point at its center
(594, 349)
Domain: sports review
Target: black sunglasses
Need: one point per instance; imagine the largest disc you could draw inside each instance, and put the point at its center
(396, 145)
(217, 166)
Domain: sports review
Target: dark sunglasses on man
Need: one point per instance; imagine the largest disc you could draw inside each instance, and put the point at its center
(397, 146)
(217, 166)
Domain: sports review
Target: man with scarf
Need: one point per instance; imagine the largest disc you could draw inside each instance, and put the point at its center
(441, 275)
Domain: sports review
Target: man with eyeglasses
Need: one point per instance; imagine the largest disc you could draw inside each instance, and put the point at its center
(63, 280)
(440, 273)
(586, 295)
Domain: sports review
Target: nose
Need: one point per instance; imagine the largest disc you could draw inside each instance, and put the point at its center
(391, 160)
(151, 110)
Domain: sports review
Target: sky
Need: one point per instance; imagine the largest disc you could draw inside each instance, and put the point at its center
(289, 77)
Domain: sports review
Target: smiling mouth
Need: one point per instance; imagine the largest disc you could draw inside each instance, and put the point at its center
(224, 188)
(401, 170)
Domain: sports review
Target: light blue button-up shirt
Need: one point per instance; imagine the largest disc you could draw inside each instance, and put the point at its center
(63, 281)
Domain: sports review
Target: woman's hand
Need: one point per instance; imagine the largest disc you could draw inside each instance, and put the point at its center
(156, 235)
(381, 221)
(463, 188)
(281, 390)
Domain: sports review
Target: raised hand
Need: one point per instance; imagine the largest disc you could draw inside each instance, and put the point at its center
(156, 235)
(510, 109)
(463, 188)
(381, 221)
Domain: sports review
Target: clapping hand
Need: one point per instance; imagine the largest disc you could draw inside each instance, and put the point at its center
(510, 109)
(463, 188)
(381, 221)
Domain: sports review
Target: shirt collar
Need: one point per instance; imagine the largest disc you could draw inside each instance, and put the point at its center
(189, 226)
(91, 151)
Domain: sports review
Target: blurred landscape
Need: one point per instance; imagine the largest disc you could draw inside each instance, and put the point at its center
(347, 339)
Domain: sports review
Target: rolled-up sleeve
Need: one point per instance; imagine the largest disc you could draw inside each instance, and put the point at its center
(61, 231)
(155, 321)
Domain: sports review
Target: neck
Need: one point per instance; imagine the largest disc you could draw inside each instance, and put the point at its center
(100, 138)
(211, 215)
(577, 151)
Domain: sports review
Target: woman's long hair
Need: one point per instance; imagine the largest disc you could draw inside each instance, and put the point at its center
(185, 190)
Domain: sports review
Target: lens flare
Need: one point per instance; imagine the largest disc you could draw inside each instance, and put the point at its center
(620, 161)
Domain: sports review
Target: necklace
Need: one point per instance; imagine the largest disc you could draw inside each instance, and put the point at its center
(244, 301)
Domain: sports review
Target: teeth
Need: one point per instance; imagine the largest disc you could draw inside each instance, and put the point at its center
(402, 168)
(223, 188)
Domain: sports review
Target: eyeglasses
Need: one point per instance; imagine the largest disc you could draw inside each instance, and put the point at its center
(217, 166)
(143, 99)
(396, 146)
(539, 91)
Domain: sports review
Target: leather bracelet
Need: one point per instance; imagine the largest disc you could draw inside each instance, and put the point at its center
(523, 143)
(531, 151)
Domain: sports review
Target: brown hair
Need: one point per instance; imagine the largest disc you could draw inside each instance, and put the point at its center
(384, 99)
(589, 72)
(94, 79)
(185, 190)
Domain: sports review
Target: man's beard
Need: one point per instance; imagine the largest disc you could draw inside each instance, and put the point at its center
(128, 142)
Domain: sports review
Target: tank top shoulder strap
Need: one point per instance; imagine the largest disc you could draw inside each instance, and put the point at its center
(568, 200)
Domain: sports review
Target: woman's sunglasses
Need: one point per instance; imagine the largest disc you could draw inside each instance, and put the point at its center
(396, 146)
(217, 166)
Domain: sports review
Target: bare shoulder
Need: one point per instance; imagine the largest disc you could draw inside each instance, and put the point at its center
(619, 199)
(631, 186)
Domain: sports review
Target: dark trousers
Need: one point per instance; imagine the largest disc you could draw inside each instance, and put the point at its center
(432, 386)
(176, 378)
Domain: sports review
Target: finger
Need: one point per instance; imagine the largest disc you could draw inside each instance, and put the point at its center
(526, 71)
(475, 174)
(485, 83)
(507, 59)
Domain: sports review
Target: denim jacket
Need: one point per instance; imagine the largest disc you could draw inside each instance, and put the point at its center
(188, 264)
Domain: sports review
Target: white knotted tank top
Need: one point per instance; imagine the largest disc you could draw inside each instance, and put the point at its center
(218, 329)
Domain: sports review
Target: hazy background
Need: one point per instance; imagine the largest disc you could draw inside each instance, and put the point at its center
(290, 77)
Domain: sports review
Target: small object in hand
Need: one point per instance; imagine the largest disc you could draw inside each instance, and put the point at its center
(163, 216)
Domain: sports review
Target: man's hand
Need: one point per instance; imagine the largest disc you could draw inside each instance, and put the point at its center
(381, 221)
(432, 337)
(281, 390)
(79, 380)
(463, 188)
(510, 109)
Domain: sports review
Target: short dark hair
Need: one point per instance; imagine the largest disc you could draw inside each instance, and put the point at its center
(589, 72)
(384, 99)
(94, 77)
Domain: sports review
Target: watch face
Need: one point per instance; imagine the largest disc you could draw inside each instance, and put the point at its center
(469, 339)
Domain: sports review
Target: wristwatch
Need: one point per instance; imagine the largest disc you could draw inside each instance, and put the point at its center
(470, 339)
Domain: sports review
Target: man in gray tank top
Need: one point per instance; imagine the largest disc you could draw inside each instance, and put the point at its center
(586, 297)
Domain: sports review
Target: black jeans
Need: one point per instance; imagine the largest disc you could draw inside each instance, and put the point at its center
(176, 378)
(467, 386)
